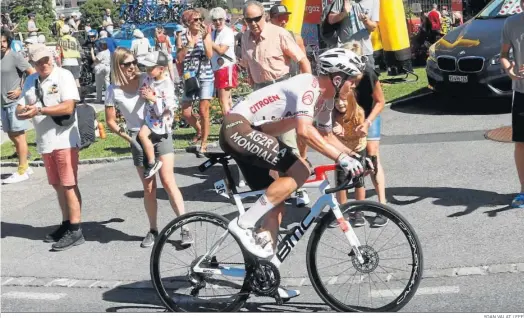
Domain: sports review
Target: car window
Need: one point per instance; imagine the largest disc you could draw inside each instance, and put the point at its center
(500, 9)
(149, 33)
(122, 34)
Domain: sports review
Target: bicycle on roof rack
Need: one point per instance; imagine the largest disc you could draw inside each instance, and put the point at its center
(217, 274)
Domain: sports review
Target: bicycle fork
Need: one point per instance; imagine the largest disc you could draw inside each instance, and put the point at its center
(347, 229)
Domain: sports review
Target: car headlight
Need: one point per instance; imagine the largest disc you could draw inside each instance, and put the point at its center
(496, 59)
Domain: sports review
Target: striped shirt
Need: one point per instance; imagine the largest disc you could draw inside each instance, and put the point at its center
(192, 59)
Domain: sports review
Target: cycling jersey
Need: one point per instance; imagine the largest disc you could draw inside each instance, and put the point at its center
(296, 97)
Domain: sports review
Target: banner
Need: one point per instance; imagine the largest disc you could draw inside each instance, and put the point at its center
(313, 11)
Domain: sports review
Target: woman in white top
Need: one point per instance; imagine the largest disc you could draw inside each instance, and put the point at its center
(140, 46)
(124, 95)
(224, 58)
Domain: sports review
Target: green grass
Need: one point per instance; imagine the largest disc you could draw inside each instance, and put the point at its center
(114, 146)
(401, 90)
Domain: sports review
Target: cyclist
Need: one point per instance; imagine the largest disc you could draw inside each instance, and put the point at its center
(248, 131)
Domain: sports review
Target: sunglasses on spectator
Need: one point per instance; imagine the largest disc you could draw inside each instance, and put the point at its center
(198, 19)
(128, 64)
(255, 19)
(218, 20)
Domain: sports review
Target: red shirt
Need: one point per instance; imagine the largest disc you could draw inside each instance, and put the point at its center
(434, 18)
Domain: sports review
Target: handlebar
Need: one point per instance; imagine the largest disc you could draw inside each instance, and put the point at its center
(349, 183)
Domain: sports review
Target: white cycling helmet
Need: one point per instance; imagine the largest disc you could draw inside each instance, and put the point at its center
(340, 60)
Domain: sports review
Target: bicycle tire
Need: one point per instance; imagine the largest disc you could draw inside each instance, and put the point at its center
(416, 273)
(161, 241)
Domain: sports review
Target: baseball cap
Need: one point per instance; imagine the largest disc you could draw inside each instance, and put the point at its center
(278, 9)
(30, 40)
(156, 58)
(38, 52)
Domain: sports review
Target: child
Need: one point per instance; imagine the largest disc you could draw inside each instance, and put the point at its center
(158, 91)
(347, 116)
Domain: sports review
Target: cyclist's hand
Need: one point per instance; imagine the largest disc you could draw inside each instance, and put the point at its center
(350, 165)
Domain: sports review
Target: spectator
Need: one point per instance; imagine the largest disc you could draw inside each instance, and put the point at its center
(195, 50)
(31, 24)
(124, 94)
(7, 22)
(358, 20)
(163, 44)
(275, 48)
(280, 16)
(140, 46)
(74, 22)
(224, 59)
(102, 62)
(109, 21)
(69, 52)
(12, 67)
(59, 24)
(434, 18)
(512, 35)
(47, 94)
(111, 44)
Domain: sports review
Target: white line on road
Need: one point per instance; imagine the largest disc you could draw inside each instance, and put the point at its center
(33, 296)
(420, 291)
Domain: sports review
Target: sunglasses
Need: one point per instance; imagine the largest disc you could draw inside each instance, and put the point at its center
(128, 64)
(218, 20)
(251, 20)
(198, 19)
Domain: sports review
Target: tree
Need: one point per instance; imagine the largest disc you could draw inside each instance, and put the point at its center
(210, 4)
(45, 15)
(93, 12)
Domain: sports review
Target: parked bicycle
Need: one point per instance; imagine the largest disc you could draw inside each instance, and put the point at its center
(217, 274)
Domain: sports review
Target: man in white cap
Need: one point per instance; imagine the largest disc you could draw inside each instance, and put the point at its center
(48, 98)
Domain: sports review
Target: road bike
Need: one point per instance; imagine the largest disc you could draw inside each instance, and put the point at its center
(219, 275)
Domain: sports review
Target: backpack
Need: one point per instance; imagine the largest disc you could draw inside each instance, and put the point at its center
(328, 32)
(86, 116)
(54, 28)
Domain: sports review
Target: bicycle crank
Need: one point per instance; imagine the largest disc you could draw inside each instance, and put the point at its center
(264, 279)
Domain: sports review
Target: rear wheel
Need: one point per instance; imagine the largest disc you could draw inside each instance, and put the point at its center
(392, 268)
(179, 285)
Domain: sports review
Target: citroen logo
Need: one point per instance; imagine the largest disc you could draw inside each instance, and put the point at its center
(462, 52)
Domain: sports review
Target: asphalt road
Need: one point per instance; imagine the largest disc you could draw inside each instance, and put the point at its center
(452, 184)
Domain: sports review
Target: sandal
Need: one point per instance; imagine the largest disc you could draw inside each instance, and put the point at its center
(518, 202)
(196, 139)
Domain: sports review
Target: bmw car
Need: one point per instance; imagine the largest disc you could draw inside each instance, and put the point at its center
(466, 61)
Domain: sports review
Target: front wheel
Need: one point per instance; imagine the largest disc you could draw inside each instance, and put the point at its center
(393, 262)
(207, 275)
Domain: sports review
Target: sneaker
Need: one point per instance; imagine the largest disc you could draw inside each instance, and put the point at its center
(152, 169)
(247, 239)
(380, 221)
(57, 234)
(149, 240)
(70, 239)
(186, 238)
(302, 199)
(518, 202)
(287, 294)
(15, 178)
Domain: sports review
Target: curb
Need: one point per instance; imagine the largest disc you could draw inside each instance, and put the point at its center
(25, 281)
(40, 163)
(407, 99)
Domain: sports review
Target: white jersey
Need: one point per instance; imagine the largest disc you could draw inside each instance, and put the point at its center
(296, 97)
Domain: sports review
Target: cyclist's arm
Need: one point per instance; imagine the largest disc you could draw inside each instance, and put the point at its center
(311, 136)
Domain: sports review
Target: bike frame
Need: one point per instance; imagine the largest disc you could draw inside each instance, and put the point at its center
(290, 241)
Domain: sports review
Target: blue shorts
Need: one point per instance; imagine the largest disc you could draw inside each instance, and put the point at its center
(207, 90)
(9, 121)
(374, 129)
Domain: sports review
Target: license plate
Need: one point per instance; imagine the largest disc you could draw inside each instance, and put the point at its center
(221, 188)
(458, 78)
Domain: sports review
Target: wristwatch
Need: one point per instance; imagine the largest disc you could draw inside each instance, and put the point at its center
(39, 110)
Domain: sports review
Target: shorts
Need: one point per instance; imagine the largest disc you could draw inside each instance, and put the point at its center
(290, 139)
(10, 123)
(61, 166)
(206, 91)
(370, 60)
(340, 175)
(163, 146)
(74, 69)
(375, 129)
(517, 117)
(226, 77)
(255, 152)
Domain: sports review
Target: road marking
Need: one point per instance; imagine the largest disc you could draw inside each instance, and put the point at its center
(33, 296)
(421, 291)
